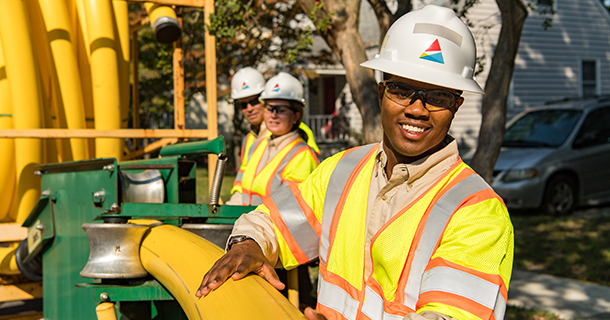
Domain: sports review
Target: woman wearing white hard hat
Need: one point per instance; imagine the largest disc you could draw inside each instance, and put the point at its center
(247, 85)
(284, 156)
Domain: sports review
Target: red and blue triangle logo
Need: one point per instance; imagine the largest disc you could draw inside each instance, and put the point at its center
(276, 88)
(433, 53)
(244, 85)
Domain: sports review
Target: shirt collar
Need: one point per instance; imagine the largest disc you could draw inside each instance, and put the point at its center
(410, 172)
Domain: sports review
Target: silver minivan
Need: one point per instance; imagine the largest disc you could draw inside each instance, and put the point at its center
(556, 157)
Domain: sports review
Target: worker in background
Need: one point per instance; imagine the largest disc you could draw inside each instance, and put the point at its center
(283, 156)
(403, 228)
(246, 87)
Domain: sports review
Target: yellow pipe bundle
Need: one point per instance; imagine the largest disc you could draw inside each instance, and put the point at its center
(180, 264)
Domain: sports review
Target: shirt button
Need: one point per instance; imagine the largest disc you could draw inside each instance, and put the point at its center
(384, 197)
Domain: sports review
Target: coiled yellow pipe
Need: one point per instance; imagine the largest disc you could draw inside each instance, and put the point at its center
(25, 93)
(179, 259)
(7, 148)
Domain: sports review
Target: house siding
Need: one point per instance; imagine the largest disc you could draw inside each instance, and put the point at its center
(547, 66)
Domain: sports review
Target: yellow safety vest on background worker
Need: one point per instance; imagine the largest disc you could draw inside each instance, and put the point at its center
(246, 143)
(450, 251)
(246, 153)
(292, 164)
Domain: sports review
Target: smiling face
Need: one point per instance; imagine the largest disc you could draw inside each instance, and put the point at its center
(412, 132)
(279, 116)
(253, 111)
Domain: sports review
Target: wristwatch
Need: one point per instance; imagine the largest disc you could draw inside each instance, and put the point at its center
(236, 239)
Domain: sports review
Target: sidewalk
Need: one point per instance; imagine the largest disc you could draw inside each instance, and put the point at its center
(570, 299)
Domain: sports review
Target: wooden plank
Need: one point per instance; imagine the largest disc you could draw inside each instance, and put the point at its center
(178, 61)
(12, 232)
(210, 87)
(150, 148)
(93, 133)
(184, 3)
(21, 291)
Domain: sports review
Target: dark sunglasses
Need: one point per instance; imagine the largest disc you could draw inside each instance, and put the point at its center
(254, 101)
(432, 99)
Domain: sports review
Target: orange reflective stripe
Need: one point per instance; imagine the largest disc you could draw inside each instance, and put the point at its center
(497, 302)
(295, 146)
(307, 211)
(295, 249)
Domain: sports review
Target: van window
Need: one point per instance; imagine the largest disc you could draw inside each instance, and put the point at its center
(595, 130)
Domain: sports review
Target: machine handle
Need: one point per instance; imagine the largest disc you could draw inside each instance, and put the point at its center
(215, 146)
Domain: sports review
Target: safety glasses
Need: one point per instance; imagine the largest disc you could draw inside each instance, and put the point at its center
(279, 108)
(244, 105)
(432, 99)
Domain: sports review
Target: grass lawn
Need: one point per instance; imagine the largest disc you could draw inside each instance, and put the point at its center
(573, 247)
(203, 193)
(569, 247)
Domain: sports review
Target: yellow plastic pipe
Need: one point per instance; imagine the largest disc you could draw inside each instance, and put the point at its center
(178, 259)
(25, 93)
(7, 148)
(121, 18)
(104, 75)
(52, 148)
(84, 67)
(8, 264)
(60, 37)
(105, 311)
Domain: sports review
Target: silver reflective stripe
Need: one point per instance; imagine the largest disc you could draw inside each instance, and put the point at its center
(255, 200)
(336, 184)
(373, 306)
(239, 176)
(337, 299)
(296, 221)
(251, 150)
(437, 220)
(500, 307)
(438, 30)
(276, 182)
(461, 283)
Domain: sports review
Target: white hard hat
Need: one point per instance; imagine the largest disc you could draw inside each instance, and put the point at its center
(283, 86)
(429, 45)
(247, 82)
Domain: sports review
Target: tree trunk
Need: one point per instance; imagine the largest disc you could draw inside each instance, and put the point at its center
(514, 13)
(344, 39)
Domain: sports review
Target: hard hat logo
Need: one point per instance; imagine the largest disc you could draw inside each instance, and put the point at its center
(433, 53)
(431, 45)
(284, 87)
(245, 85)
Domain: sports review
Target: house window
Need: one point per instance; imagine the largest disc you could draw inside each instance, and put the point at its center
(589, 76)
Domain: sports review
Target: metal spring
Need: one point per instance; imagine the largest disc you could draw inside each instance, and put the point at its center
(217, 182)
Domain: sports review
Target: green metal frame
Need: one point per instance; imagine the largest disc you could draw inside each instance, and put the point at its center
(70, 200)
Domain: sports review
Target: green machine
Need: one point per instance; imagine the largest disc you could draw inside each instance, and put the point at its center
(98, 197)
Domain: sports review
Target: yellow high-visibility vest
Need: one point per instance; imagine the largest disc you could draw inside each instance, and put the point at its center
(291, 164)
(246, 152)
(449, 251)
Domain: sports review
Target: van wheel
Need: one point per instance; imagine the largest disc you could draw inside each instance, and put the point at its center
(559, 195)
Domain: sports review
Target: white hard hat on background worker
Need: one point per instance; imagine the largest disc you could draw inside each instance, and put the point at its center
(247, 82)
(284, 86)
(433, 46)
